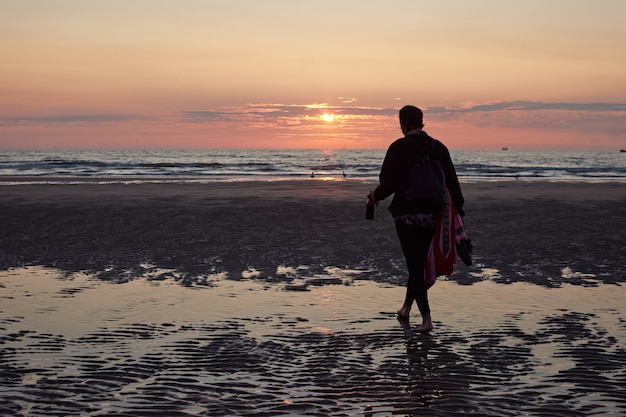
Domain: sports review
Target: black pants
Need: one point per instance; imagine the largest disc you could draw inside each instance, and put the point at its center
(415, 242)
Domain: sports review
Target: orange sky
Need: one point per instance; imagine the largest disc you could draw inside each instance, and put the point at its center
(248, 74)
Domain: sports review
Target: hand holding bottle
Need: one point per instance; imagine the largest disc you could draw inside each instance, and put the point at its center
(371, 204)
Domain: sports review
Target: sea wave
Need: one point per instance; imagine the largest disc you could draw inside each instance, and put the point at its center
(262, 165)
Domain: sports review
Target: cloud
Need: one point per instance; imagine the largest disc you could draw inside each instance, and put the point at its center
(589, 118)
(276, 111)
(278, 120)
(70, 119)
(206, 116)
(608, 118)
(530, 106)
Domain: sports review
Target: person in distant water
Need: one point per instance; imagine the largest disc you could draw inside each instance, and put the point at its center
(415, 224)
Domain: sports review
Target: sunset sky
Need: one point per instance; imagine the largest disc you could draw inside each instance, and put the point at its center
(329, 74)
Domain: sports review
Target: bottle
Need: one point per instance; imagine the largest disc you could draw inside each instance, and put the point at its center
(369, 209)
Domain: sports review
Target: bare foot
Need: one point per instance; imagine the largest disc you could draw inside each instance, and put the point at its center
(425, 327)
(404, 312)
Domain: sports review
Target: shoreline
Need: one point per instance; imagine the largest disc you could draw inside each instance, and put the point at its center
(8, 180)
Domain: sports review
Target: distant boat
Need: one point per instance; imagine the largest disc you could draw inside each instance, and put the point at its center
(504, 148)
(622, 150)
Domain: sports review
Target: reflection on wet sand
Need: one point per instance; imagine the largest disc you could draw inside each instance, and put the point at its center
(78, 345)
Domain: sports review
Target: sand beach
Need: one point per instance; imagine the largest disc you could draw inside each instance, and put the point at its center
(279, 299)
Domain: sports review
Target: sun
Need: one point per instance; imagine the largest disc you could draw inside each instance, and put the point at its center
(328, 117)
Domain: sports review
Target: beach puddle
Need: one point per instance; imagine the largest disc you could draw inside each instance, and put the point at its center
(74, 345)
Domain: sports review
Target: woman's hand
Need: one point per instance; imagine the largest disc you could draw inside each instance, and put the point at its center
(371, 198)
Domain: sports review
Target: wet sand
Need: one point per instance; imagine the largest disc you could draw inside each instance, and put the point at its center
(279, 299)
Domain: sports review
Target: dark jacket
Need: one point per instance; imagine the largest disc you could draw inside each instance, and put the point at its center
(396, 169)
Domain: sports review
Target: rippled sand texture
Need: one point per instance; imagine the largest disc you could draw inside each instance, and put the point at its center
(80, 346)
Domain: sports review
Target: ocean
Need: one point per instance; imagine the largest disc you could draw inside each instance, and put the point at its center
(274, 165)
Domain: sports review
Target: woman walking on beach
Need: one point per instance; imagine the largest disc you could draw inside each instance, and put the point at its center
(414, 221)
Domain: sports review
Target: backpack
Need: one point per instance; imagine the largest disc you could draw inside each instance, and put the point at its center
(427, 182)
